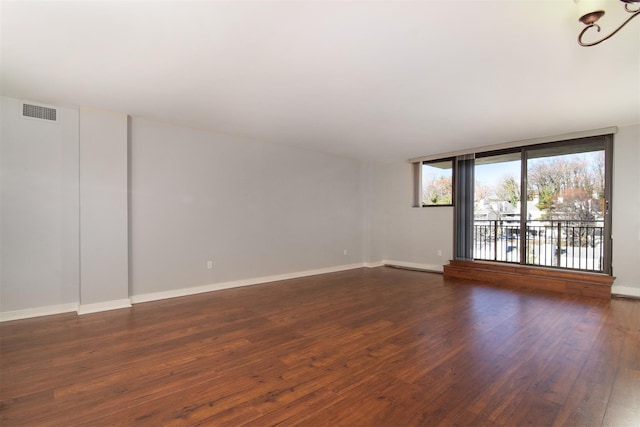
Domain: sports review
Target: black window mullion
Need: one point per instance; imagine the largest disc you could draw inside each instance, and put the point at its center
(608, 179)
(523, 206)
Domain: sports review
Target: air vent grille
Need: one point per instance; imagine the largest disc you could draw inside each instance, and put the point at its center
(39, 112)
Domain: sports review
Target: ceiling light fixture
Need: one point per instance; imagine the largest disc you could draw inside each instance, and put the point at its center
(590, 13)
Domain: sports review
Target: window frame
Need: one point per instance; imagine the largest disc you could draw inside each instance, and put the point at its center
(418, 188)
(461, 201)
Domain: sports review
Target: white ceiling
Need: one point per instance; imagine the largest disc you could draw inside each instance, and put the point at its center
(376, 80)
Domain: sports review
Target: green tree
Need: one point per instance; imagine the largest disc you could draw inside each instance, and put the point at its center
(509, 190)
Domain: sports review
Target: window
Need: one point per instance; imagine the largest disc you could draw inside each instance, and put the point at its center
(542, 205)
(496, 206)
(566, 206)
(436, 183)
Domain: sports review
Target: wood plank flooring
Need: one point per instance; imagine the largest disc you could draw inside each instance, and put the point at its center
(366, 347)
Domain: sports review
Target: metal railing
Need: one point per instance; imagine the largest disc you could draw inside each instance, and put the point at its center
(571, 244)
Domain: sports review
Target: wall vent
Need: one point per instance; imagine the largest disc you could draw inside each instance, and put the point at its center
(39, 112)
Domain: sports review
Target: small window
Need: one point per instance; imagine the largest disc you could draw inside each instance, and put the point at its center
(437, 183)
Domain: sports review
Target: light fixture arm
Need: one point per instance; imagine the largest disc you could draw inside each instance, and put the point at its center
(633, 13)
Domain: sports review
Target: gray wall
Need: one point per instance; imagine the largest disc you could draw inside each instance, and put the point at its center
(626, 210)
(39, 230)
(104, 262)
(254, 209)
(401, 232)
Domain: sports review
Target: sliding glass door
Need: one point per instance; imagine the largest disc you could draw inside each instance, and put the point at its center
(544, 205)
(567, 211)
(496, 207)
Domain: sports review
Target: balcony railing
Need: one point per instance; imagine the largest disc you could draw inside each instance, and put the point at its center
(577, 245)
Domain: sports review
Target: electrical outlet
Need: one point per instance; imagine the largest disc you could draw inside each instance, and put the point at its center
(209, 265)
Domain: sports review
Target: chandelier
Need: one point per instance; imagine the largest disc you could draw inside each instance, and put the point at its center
(589, 15)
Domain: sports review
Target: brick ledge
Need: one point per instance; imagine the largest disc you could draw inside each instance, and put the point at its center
(563, 281)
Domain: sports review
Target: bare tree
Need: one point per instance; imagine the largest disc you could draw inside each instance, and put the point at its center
(568, 187)
(482, 191)
(436, 190)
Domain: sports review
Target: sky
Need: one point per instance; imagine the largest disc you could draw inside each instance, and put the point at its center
(491, 174)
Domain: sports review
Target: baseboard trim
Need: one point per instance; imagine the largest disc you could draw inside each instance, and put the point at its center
(414, 266)
(175, 293)
(28, 313)
(83, 309)
(625, 291)
(103, 306)
(374, 264)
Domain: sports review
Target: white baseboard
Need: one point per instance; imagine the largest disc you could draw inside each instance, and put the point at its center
(154, 296)
(374, 264)
(37, 312)
(82, 309)
(104, 306)
(626, 291)
(414, 265)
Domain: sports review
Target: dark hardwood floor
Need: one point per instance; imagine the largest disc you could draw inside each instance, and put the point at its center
(366, 347)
